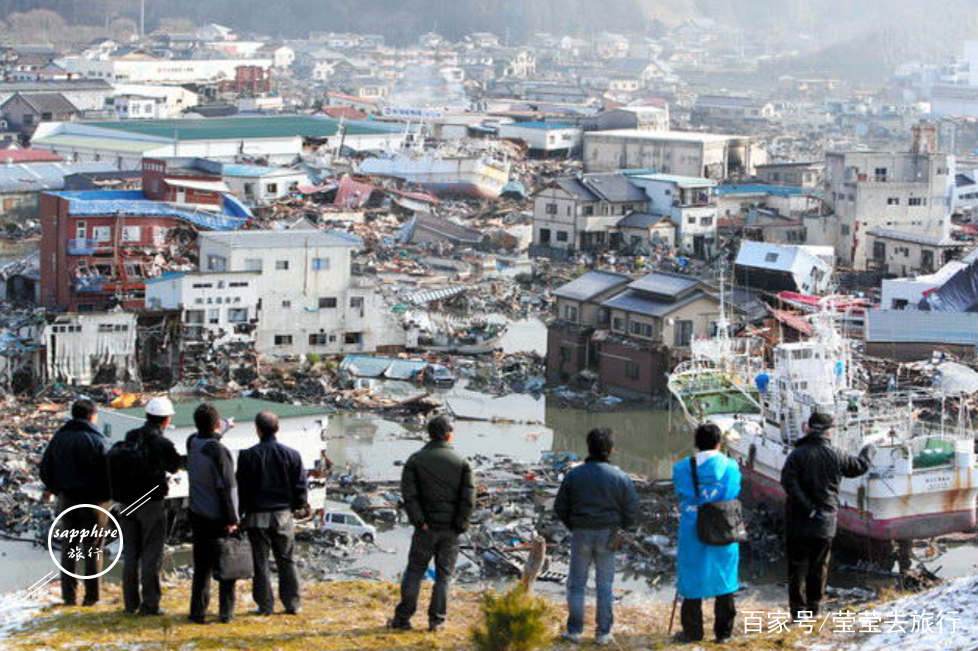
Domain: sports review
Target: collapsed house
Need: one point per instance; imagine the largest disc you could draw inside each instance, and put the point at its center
(783, 267)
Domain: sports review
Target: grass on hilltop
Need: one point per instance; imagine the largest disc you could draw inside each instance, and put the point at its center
(336, 616)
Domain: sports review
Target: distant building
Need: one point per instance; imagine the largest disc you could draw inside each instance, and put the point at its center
(779, 267)
(684, 153)
(24, 111)
(310, 300)
(805, 175)
(86, 348)
(690, 202)
(731, 110)
(216, 307)
(543, 138)
(99, 247)
(897, 192)
(581, 213)
(627, 330)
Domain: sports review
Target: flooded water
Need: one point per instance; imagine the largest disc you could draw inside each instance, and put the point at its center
(520, 427)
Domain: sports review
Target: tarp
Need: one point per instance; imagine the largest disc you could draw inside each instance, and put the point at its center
(958, 294)
(405, 369)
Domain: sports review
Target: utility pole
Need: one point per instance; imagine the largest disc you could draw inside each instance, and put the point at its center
(142, 18)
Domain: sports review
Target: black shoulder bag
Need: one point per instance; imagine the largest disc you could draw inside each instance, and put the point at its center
(718, 523)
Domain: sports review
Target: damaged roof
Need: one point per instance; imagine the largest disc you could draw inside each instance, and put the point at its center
(591, 284)
(135, 204)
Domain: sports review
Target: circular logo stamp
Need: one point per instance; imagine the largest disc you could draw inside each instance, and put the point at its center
(83, 543)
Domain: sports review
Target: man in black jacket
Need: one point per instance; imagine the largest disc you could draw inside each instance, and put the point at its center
(810, 477)
(213, 511)
(439, 496)
(74, 468)
(272, 484)
(143, 519)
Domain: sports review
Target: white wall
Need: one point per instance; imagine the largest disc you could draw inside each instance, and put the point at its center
(76, 343)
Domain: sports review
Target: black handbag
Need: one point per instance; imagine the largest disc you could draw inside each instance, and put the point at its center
(718, 523)
(234, 561)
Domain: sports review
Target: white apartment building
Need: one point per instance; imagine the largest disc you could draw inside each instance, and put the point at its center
(687, 153)
(216, 306)
(898, 192)
(158, 71)
(689, 202)
(310, 301)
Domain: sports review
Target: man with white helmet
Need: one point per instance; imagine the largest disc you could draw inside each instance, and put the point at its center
(141, 484)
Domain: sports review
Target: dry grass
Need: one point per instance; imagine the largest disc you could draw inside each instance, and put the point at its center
(342, 616)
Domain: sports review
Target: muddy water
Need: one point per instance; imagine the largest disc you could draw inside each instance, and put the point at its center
(648, 443)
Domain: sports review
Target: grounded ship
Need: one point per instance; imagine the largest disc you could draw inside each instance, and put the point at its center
(924, 479)
(479, 172)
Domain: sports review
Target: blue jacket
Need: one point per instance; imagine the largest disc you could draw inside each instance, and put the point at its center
(705, 570)
(597, 495)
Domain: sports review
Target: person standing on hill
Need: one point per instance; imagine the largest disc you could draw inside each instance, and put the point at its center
(810, 477)
(74, 468)
(439, 496)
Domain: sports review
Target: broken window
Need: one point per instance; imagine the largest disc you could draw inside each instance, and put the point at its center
(353, 338)
(318, 339)
(562, 236)
(283, 340)
(131, 233)
(326, 302)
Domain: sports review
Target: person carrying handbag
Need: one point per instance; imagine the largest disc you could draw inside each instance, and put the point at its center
(707, 568)
(213, 512)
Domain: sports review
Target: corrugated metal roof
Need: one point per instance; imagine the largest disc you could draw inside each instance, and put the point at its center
(590, 285)
(916, 326)
(45, 176)
(431, 295)
(284, 238)
(236, 128)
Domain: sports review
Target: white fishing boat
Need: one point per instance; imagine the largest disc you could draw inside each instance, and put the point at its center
(924, 478)
(470, 169)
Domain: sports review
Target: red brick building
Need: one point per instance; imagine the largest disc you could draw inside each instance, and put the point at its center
(98, 247)
(183, 181)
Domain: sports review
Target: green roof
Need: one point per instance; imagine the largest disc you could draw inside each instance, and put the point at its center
(242, 410)
(107, 144)
(237, 128)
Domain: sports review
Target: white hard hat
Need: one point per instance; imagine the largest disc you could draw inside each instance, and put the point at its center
(159, 407)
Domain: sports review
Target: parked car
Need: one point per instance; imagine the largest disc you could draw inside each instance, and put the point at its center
(438, 376)
(348, 524)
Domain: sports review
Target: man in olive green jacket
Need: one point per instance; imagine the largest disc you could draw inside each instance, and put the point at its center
(439, 496)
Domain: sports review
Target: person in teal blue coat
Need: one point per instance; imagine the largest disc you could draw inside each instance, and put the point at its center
(706, 571)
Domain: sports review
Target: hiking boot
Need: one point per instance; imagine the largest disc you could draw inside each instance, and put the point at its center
(396, 625)
(434, 627)
(573, 638)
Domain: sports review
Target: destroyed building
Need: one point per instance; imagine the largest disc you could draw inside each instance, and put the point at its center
(311, 302)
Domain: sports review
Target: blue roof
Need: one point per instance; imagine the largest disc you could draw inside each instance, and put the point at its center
(541, 125)
(134, 203)
(760, 188)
